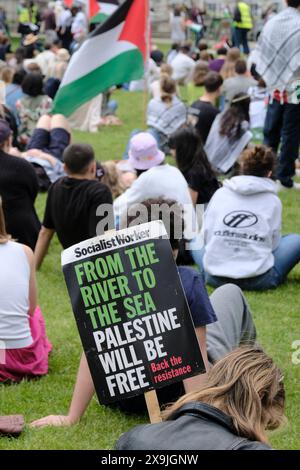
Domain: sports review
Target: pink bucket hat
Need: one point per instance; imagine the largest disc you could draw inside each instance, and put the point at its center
(144, 152)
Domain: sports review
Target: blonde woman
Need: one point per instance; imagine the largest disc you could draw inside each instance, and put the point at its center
(242, 397)
(167, 113)
(228, 69)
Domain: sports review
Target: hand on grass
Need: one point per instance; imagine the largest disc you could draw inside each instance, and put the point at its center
(52, 420)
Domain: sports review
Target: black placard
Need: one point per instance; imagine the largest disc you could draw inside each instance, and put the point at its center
(131, 312)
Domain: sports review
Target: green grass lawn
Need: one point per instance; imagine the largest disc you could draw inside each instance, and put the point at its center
(277, 316)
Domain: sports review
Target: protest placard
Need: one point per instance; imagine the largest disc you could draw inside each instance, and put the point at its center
(131, 312)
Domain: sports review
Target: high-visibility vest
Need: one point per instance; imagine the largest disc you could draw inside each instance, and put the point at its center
(246, 19)
(24, 16)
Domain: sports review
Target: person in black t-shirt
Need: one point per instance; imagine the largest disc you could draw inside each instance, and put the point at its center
(72, 202)
(191, 159)
(203, 112)
(18, 189)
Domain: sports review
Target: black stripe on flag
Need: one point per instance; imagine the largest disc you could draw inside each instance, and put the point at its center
(114, 20)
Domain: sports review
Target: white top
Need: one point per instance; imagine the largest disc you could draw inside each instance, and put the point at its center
(242, 228)
(183, 67)
(223, 152)
(177, 30)
(45, 61)
(166, 118)
(79, 25)
(163, 181)
(14, 296)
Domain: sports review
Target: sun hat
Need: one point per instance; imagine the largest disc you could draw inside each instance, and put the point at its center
(144, 152)
(30, 39)
(5, 130)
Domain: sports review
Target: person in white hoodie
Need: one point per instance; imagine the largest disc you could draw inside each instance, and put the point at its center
(242, 229)
(156, 179)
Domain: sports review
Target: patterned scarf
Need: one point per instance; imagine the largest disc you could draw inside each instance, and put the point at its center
(278, 50)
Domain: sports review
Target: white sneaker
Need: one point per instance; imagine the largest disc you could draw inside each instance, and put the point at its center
(281, 187)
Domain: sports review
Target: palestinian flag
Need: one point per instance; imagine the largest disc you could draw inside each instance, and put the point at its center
(113, 54)
(99, 11)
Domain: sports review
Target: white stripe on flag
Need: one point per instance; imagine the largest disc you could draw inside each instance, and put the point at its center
(95, 52)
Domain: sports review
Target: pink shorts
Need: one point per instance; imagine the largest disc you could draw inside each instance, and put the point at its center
(31, 361)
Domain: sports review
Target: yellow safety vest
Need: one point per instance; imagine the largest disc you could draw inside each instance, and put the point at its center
(24, 16)
(246, 22)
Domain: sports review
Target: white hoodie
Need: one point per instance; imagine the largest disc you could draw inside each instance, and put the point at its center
(242, 227)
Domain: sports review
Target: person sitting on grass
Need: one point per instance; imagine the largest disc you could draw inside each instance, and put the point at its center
(240, 83)
(191, 160)
(33, 104)
(195, 89)
(22, 327)
(229, 135)
(72, 202)
(216, 338)
(243, 397)
(203, 112)
(19, 189)
(165, 114)
(156, 178)
(242, 229)
(45, 148)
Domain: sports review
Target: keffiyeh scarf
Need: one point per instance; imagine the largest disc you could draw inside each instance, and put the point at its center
(279, 50)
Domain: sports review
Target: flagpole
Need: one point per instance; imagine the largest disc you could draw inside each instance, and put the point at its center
(146, 66)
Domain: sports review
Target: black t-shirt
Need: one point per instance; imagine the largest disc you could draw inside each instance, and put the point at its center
(71, 209)
(19, 189)
(205, 114)
(205, 188)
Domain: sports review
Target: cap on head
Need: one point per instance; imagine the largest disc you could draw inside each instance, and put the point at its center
(144, 152)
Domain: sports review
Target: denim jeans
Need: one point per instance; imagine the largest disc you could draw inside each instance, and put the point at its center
(282, 125)
(241, 39)
(286, 256)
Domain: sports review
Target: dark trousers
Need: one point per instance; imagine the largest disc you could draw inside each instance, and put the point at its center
(282, 125)
(241, 39)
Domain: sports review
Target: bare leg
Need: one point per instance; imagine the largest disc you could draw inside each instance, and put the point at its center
(44, 122)
(59, 121)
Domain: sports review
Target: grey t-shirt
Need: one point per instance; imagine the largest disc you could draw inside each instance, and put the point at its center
(235, 85)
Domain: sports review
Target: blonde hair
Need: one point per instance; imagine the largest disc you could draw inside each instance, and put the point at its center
(7, 75)
(4, 237)
(247, 386)
(167, 88)
(166, 69)
(228, 69)
(112, 178)
(200, 72)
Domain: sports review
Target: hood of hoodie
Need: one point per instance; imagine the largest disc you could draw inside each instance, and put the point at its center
(249, 185)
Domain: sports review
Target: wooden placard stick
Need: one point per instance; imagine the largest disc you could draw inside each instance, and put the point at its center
(153, 407)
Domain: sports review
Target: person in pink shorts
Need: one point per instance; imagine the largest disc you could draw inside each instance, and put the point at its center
(24, 347)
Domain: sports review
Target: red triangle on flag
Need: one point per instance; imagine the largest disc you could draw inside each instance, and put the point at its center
(94, 8)
(135, 29)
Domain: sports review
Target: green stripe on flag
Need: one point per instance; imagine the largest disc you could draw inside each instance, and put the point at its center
(121, 69)
(99, 18)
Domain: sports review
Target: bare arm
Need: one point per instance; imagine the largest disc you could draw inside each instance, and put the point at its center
(42, 245)
(82, 395)
(32, 281)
